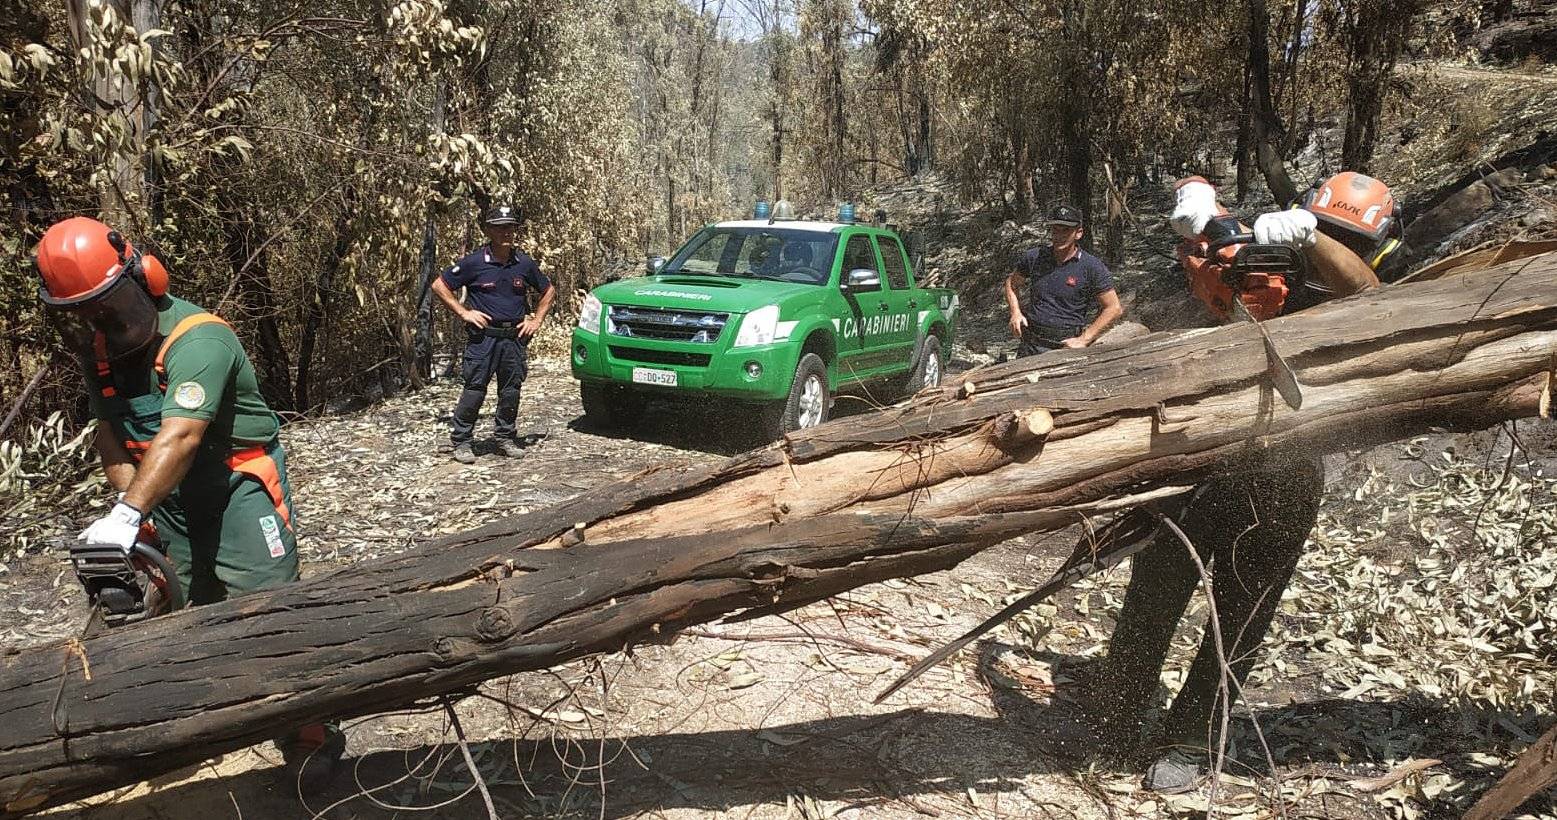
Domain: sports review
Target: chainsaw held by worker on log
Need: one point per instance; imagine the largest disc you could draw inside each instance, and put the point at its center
(1239, 278)
(127, 588)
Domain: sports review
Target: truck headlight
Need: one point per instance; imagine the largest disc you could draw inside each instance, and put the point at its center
(758, 327)
(589, 314)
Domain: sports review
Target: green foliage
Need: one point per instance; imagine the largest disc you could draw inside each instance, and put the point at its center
(43, 473)
(286, 163)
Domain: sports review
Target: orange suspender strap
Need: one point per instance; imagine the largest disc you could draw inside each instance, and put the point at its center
(105, 376)
(251, 461)
(185, 325)
(255, 462)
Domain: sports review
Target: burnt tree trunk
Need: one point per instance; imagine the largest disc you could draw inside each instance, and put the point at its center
(1267, 131)
(1535, 769)
(244, 246)
(318, 317)
(1026, 446)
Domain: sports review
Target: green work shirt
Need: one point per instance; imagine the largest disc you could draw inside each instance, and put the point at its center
(209, 377)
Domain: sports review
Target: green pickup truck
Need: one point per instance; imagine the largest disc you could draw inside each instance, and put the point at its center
(773, 315)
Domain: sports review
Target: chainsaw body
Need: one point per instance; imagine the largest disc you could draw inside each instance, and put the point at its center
(124, 588)
(1224, 264)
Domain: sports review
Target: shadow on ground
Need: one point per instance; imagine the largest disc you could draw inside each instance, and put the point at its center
(724, 430)
(889, 763)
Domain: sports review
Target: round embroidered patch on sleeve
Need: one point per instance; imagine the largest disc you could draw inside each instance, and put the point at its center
(189, 395)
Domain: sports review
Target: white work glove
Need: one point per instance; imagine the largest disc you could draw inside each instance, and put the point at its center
(1296, 227)
(117, 529)
(1195, 205)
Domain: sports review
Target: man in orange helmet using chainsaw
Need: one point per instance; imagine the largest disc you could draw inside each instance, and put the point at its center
(184, 435)
(1248, 528)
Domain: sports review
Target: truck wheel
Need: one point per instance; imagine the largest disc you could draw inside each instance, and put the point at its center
(609, 407)
(808, 401)
(929, 370)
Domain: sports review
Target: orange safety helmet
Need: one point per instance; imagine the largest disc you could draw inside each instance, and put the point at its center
(1354, 202)
(80, 259)
(100, 289)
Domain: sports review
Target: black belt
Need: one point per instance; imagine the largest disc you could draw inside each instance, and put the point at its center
(1053, 334)
(497, 330)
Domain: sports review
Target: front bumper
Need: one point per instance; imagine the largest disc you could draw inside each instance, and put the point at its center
(701, 369)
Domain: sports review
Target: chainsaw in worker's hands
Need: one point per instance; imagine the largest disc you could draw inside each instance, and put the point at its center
(1239, 278)
(124, 588)
(1224, 265)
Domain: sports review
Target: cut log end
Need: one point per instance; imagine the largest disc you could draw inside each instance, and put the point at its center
(1024, 427)
(1545, 405)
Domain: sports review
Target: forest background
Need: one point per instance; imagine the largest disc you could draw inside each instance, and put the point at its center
(306, 168)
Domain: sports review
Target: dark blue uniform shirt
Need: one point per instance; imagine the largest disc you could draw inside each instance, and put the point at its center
(495, 288)
(1062, 295)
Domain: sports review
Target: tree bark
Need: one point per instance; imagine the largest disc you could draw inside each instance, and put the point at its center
(109, 95)
(317, 318)
(420, 368)
(250, 261)
(1375, 34)
(1267, 127)
(1535, 769)
(146, 15)
(904, 491)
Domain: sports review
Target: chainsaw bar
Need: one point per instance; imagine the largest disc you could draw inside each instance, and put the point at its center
(1281, 373)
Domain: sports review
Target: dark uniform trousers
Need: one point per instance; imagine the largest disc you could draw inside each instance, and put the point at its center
(495, 352)
(1249, 530)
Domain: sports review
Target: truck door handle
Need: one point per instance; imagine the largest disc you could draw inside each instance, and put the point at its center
(883, 307)
(912, 304)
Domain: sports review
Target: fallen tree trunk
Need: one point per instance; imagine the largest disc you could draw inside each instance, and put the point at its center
(1535, 769)
(1031, 445)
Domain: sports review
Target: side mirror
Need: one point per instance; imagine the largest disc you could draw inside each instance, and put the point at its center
(654, 265)
(862, 279)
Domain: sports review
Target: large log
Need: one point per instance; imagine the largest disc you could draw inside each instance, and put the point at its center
(1030, 445)
(1535, 769)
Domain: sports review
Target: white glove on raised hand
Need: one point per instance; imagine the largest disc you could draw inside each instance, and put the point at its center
(117, 529)
(1195, 205)
(1296, 227)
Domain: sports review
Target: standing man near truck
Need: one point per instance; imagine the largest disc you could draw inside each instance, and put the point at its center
(1060, 283)
(184, 435)
(498, 280)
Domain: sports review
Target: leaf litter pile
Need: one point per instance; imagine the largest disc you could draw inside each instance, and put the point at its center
(1413, 656)
(1411, 660)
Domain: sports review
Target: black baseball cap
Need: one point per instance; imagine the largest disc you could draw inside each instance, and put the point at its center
(502, 215)
(1064, 215)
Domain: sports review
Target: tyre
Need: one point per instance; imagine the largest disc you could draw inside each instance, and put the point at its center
(929, 370)
(808, 402)
(608, 406)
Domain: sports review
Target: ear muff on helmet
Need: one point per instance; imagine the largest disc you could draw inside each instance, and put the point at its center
(154, 276)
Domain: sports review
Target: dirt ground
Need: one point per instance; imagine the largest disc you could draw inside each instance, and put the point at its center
(773, 717)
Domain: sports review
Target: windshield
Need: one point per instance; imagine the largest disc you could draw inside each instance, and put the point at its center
(781, 254)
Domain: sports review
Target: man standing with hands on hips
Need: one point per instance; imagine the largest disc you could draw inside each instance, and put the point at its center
(497, 280)
(1060, 282)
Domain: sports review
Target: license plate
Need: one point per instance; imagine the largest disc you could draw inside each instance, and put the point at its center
(648, 375)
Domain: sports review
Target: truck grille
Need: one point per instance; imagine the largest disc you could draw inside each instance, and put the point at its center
(699, 327)
(638, 354)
